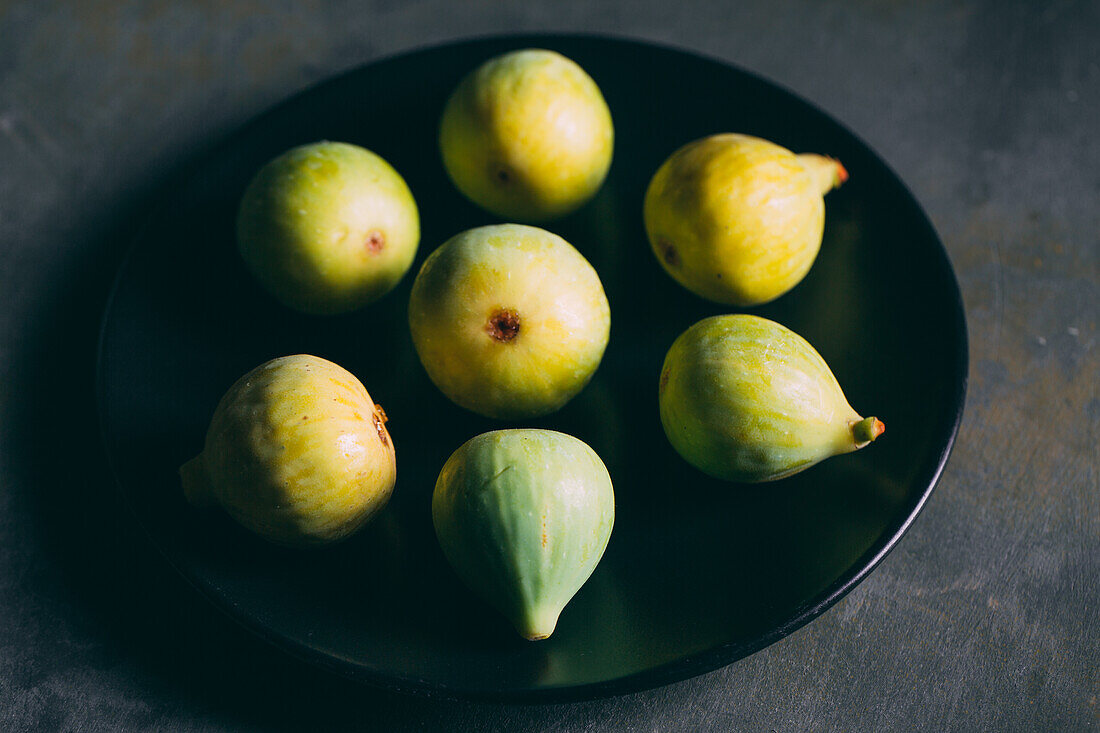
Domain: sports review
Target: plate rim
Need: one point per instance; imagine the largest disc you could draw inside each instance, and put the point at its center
(677, 670)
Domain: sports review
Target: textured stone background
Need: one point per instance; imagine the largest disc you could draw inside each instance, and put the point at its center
(984, 618)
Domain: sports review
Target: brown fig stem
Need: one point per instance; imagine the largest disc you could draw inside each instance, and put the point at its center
(196, 484)
(866, 430)
(828, 172)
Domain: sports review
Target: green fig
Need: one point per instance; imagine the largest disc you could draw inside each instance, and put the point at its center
(736, 219)
(509, 321)
(527, 135)
(743, 398)
(297, 452)
(524, 517)
(328, 227)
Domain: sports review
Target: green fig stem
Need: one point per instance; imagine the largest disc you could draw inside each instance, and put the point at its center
(196, 484)
(539, 625)
(866, 430)
(828, 172)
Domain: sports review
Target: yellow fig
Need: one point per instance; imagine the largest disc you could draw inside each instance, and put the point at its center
(510, 321)
(297, 452)
(744, 398)
(328, 227)
(736, 219)
(527, 136)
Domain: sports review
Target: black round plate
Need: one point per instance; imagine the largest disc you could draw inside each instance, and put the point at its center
(698, 572)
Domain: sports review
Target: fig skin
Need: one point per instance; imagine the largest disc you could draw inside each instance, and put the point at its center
(510, 321)
(328, 228)
(746, 399)
(297, 452)
(524, 517)
(527, 136)
(737, 219)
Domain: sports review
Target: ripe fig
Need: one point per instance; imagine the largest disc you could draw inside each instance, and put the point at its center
(743, 398)
(527, 135)
(328, 227)
(524, 517)
(737, 219)
(510, 321)
(297, 452)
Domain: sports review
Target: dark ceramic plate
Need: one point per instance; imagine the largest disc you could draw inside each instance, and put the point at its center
(698, 573)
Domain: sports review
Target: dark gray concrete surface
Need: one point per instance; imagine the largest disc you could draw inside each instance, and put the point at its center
(986, 616)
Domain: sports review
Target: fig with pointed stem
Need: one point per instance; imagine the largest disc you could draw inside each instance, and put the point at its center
(736, 219)
(746, 399)
(524, 517)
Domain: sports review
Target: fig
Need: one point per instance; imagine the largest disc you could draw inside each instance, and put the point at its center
(527, 136)
(510, 321)
(524, 517)
(736, 219)
(297, 452)
(745, 399)
(328, 227)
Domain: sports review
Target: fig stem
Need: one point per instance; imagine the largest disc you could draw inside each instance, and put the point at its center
(538, 624)
(826, 171)
(866, 430)
(196, 484)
